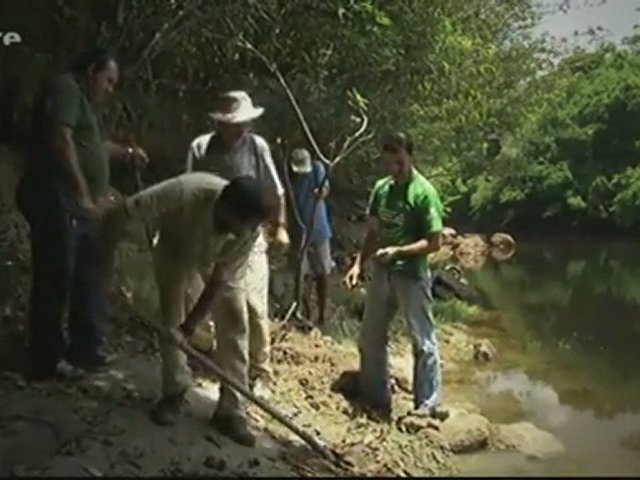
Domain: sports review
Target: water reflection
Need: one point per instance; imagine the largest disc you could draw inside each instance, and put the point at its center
(570, 315)
(596, 443)
(578, 303)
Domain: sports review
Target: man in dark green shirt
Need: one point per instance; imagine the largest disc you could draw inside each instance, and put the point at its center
(63, 191)
(405, 225)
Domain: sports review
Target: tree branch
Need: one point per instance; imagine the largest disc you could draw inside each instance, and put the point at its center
(151, 50)
(294, 103)
(349, 145)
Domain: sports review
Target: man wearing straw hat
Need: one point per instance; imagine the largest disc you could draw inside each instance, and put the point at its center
(230, 151)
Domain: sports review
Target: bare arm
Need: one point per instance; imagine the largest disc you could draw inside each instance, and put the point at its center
(281, 215)
(424, 246)
(205, 302)
(117, 152)
(230, 269)
(65, 150)
(369, 243)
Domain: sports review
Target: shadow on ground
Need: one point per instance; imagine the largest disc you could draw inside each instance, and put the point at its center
(99, 427)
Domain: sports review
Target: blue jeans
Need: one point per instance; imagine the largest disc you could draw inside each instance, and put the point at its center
(64, 249)
(387, 292)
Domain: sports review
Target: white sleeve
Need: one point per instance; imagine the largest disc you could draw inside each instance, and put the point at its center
(265, 152)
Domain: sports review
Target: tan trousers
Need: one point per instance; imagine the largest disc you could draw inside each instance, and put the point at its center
(174, 278)
(256, 290)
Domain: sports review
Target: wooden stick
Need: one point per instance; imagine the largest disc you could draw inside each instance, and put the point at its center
(316, 445)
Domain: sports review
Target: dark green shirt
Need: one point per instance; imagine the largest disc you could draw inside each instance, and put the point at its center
(407, 212)
(63, 103)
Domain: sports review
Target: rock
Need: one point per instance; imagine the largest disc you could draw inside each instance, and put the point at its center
(448, 235)
(444, 254)
(472, 251)
(526, 438)
(414, 423)
(502, 241)
(500, 256)
(466, 433)
(462, 408)
(503, 246)
(484, 351)
(436, 439)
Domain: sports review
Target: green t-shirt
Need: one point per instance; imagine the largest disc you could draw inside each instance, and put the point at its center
(407, 212)
(66, 105)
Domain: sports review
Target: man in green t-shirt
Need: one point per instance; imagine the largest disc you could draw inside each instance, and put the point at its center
(404, 226)
(63, 191)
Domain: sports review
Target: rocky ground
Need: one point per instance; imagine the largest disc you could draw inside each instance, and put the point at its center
(99, 426)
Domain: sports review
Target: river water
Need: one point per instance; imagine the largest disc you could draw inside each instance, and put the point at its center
(568, 326)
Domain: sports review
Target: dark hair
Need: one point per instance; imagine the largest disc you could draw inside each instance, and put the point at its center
(394, 142)
(248, 199)
(96, 58)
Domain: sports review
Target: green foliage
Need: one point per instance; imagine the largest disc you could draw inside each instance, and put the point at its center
(455, 311)
(451, 72)
(580, 144)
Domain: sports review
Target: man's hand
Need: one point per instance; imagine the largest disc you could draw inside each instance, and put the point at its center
(279, 237)
(138, 157)
(191, 323)
(321, 193)
(352, 278)
(387, 254)
(88, 207)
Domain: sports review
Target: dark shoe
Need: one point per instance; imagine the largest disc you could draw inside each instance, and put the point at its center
(234, 427)
(378, 414)
(167, 410)
(437, 412)
(63, 371)
(91, 362)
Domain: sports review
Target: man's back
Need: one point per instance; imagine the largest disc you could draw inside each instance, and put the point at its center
(182, 208)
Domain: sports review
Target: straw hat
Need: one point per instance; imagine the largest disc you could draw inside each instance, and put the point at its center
(235, 107)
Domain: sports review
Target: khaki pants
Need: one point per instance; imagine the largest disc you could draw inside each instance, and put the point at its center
(174, 277)
(256, 291)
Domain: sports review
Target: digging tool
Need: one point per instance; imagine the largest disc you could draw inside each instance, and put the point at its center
(317, 446)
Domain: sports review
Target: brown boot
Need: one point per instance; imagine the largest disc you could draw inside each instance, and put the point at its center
(235, 427)
(167, 410)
